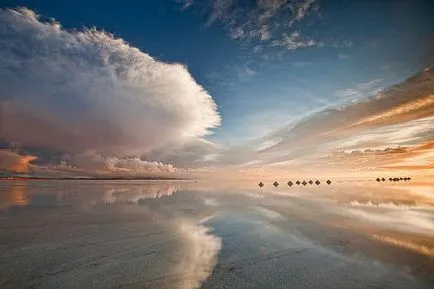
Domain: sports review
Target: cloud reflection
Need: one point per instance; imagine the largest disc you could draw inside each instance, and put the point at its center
(200, 256)
(421, 249)
(133, 195)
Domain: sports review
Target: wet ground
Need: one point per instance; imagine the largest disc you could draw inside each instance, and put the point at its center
(120, 234)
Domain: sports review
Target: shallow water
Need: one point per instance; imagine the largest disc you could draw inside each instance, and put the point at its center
(140, 234)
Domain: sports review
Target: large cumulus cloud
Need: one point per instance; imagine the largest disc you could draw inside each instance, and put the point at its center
(81, 91)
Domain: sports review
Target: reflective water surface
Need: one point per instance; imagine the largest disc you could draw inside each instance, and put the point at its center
(140, 234)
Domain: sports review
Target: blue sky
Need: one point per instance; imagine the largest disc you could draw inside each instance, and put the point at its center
(266, 64)
(249, 88)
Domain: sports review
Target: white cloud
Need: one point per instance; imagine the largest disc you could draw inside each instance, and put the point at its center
(256, 22)
(186, 3)
(264, 22)
(301, 11)
(75, 91)
(347, 92)
(135, 164)
(97, 165)
(267, 144)
(403, 133)
(264, 33)
(294, 41)
(258, 49)
(246, 72)
(369, 84)
(369, 87)
(237, 33)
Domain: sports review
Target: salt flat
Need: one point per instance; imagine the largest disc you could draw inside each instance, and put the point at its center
(138, 234)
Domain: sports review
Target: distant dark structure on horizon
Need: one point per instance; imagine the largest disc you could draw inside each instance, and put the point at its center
(311, 182)
(394, 179)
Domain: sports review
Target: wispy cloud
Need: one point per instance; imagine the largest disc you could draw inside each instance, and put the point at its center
(370, 84)
(265, 22)
(362, 89)
(186, 3)
(295, 41)
(386, 132)
(264, 33)
(402, 109)
(246, 72)
(301, 10)
(347, 92)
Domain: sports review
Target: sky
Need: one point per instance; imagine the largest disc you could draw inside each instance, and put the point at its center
(221, 88)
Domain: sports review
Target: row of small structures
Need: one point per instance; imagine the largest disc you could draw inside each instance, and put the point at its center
(304, 183)
(394, 179)
(310, 182)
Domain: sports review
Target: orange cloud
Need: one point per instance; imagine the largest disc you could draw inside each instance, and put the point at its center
(22, 164)
(14, 162)
(417, 158)
(417, 108)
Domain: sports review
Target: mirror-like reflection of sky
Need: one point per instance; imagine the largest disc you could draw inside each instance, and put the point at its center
(64, 234)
